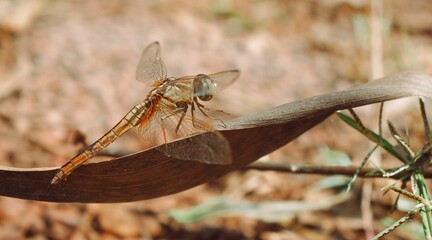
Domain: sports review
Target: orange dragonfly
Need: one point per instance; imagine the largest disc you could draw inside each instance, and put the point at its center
(163, 116)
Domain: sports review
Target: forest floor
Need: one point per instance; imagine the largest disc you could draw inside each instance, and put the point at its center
(68, 67)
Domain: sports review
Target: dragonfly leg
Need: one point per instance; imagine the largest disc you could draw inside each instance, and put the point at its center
(201, 107)
(192, 112)
(183, 109)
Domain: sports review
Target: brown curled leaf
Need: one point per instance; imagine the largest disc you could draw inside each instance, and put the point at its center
(151, 174)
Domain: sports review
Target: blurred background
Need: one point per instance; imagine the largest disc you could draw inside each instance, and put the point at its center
(67, 70)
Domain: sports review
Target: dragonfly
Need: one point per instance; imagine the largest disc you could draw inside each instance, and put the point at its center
(167, 114)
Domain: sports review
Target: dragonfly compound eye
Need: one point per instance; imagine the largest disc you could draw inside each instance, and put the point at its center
(204, 87)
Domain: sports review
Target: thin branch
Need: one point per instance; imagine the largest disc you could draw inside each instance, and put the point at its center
(327, 170)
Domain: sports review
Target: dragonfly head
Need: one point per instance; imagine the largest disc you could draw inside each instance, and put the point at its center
(204, 87)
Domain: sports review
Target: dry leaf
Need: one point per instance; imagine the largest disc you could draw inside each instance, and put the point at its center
(151, 174)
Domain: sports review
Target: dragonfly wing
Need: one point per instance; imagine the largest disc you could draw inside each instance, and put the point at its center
(225, 78)
(154, 131)
(208, 147)
(163, 127)
(218, 81)
(151, 69)
(222, 79)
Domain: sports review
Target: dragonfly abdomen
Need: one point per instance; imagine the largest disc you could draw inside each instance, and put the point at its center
(130, 120)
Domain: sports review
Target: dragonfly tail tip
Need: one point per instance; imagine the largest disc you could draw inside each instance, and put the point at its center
(55, 180)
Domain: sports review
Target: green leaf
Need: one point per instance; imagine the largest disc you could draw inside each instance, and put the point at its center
(382, 142)
(267, 211)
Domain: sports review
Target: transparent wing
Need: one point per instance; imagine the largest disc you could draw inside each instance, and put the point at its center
(222, 79)
(209, 148)
(225, 78)
(207, 85)
(151, 69)
(167, 125)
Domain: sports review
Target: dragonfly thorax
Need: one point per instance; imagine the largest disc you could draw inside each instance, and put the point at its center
(204, 87)
(177, 92)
